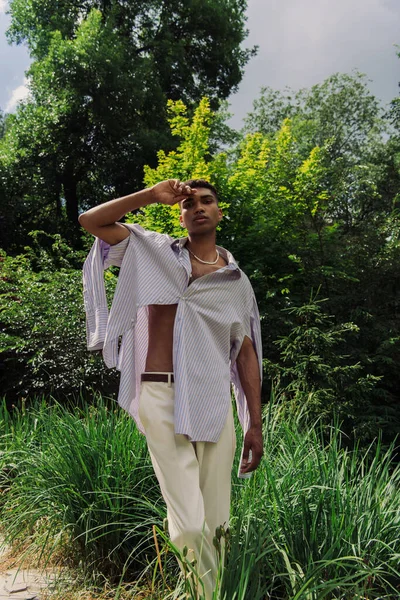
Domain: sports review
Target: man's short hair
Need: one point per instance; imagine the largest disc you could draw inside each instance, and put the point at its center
(197, 183)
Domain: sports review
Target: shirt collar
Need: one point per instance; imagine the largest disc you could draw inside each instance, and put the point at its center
(180, 243)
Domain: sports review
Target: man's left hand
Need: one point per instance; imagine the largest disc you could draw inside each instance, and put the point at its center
(253, 441)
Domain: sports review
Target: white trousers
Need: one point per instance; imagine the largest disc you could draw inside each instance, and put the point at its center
(194, 477)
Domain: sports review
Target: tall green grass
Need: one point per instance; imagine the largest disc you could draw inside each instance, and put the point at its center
(315, 521)
(79, 479)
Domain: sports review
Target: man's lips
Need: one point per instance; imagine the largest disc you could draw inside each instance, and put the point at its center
(200, 218)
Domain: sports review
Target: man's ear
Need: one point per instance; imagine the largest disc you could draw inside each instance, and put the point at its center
(220, 214)
(181, 221)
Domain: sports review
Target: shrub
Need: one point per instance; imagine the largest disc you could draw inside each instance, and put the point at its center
(319, 376)
(42, 324)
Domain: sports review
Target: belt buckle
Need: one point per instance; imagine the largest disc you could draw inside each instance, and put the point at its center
(167, 377)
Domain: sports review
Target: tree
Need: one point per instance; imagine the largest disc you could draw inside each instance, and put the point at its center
(193, 47)
(314, 376)
(340, 109)
(2, 124)
(394, 112)
(100, 79)
(342, 115)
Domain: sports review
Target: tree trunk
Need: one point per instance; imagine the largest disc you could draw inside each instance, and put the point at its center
(57, 196)
(71, 195)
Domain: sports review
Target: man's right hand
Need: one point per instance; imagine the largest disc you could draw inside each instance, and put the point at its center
(170, 191)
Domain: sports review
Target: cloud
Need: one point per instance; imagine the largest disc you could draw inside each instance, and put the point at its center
(3, 6)
(303, 43)
(18, 94)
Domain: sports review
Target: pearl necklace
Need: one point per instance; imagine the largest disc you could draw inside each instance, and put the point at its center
(205, 262)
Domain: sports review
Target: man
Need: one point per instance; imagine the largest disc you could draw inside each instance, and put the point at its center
(183, 325)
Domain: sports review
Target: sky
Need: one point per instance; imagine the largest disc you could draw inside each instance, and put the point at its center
(301, 43)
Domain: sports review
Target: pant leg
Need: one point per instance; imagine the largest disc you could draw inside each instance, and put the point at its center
(177, 469)
(195, 478)
(215, 465)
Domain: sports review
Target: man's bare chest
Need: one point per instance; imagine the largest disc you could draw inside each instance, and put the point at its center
(201, 270)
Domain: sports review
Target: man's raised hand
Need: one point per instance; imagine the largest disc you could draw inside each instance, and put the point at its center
(171, 191)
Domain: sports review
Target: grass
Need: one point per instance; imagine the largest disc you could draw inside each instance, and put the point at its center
(315, 521)
(80, 480)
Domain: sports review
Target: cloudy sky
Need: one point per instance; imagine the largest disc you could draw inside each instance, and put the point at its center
(301, 42)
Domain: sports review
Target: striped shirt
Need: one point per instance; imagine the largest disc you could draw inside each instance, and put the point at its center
(214, 314)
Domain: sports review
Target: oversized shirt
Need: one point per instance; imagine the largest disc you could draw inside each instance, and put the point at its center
(214, 314)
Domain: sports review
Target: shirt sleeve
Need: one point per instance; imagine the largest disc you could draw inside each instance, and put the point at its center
(113, 255)
(252, 328)
(255, 333)
(100, 257)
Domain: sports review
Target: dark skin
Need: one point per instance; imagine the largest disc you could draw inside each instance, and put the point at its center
(200, 214)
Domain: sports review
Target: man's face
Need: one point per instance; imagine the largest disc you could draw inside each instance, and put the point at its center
(200, 213)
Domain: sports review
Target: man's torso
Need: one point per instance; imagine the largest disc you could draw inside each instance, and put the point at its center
(162, 321)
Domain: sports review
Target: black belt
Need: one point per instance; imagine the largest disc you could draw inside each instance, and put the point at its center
(157, 377)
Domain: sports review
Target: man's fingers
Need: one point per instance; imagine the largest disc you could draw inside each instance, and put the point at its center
(177, 185)
(252, 451)
(246, 450)
(174, 183)
(251, 466)
(186, 191)
(246, 457)
(182, 189)
(172, 191)
(252, 463)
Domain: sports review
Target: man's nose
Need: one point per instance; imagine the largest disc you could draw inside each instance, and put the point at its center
(199, 208)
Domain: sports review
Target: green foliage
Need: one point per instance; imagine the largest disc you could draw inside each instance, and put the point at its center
(311, 521)
(343, 116)
(310, 202)
(317, 380)
(192, 48)
(100, 80)
(341, 109)
(2, 124)
(42, 335)
(394, 112)
(190, 160)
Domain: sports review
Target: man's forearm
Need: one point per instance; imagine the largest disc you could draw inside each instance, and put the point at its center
(249, 374)
(112, 211)
(102, 221)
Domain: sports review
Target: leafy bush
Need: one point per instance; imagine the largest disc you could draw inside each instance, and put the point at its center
(42, 324)
(318, 379)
